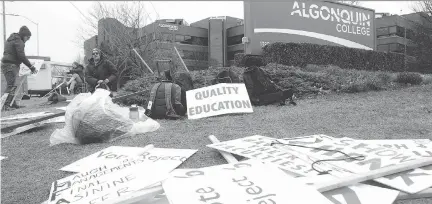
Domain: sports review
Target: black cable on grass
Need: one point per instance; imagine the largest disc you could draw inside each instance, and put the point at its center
(348, 157)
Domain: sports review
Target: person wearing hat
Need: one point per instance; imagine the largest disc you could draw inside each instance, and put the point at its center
(13, 56)
(100, 71)
(77, 76)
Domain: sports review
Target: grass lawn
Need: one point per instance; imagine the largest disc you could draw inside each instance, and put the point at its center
(32, 165)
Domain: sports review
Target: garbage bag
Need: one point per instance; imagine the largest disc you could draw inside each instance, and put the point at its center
(92, 118)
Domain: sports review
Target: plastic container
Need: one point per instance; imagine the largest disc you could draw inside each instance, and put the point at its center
(133, 113)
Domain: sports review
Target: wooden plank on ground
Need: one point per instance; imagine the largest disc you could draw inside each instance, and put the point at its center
(378, 173)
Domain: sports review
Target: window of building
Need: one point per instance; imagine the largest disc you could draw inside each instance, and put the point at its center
(234, 40)
(392, 29)
(194, 55)
(382, 31)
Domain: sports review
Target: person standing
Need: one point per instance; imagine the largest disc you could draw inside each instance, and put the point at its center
(13, 56)
(100, 71)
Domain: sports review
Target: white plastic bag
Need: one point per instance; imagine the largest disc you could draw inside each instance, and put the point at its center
(94, 118)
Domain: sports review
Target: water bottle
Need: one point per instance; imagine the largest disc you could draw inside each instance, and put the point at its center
(133, 113)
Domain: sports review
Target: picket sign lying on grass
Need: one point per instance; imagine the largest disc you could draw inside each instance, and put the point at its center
(113, 154)
(147, 166)
(104, 184)
(21, 117)
(258, 147)
(218, 99)
(375, 157)
(357, 194)
(419, 147)
(2, 157)
(242, 186)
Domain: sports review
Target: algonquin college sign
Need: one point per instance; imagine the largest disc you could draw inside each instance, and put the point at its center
(317, 22)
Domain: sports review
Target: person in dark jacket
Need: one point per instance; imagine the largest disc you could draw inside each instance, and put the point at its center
(13, 56)
(77, 76)
(101, 71)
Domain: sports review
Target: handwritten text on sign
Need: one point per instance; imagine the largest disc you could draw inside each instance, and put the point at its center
(376, 157)
(244, 185)
(218, 99)
(105, 183)
(113, 154)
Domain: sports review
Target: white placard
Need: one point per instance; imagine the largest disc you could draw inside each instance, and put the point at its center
(258, 184)
(24, 116)
(258, 147)
(103, 184)
(24, 70)
(218, 99)
(376, 157)
(171, 158)
(2, 157)
(357, 194)
(420, 147)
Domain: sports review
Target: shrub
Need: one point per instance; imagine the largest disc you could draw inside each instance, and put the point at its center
(301, 55)
(409, 78)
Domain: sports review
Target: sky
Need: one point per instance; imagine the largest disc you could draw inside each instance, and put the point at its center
(59, 22)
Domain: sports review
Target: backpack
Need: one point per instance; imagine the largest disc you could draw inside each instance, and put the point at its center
(165, 101)
(226, 76)
(262, 90)
(258, 82)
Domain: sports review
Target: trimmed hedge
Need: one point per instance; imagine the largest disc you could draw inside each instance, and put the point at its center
(302, 54)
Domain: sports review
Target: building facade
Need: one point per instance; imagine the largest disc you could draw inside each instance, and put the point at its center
(214, 41)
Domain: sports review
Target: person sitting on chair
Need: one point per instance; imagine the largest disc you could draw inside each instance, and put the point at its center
(77, 76)
(100, 72)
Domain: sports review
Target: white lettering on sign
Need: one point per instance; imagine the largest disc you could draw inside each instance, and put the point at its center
(356, 23)
(218, 99)
(170, 27)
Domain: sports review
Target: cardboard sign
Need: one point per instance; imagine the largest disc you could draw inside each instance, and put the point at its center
(358, 194)
(259, 147)
(23, 117)
(375, 157)
(420, 147)
(258, 184)
(218, 99)
(2, 157)
(171, 158)
(24, 70)
(106, 183)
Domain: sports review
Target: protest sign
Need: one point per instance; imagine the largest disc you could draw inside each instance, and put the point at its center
(218, 99)
(351, 196)
(258, 147)
(24, 70)
(375, 157)
(419, 147)
(2, 157)
(357, 194)
(258, 184)
(103, 184)
(23, 117)
(113, 154)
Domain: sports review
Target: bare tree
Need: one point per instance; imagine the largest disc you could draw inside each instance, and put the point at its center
(422, 37)
(122, 30)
